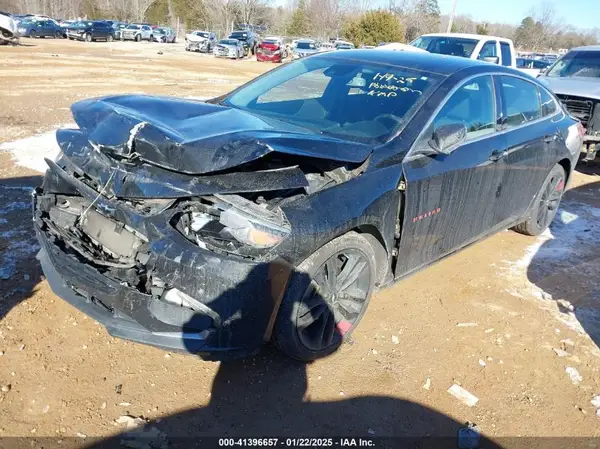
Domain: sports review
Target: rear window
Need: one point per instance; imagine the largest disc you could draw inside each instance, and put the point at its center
(350, 100)
(549, 106)
(521, 101)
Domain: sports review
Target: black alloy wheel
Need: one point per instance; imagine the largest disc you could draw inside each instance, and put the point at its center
(546, 203)
(334, 300)
(327, 295)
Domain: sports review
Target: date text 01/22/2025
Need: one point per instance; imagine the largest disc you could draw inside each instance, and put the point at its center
(296, 442)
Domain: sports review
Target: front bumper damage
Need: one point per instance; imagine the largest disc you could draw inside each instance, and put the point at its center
(235, 299)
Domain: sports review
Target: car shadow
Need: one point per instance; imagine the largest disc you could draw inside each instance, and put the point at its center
(268, 395)
(20, 272)
(565, 266)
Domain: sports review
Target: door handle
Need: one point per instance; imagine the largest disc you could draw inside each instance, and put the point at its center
(497, 155)
(550, 139)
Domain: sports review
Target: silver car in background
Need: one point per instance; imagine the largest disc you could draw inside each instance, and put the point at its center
(164, 35)
(575, 79)
(230, 48)
(136, 32)
(200, 41)
(305, 47)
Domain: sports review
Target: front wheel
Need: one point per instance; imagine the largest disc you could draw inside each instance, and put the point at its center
(58, 35)
(109, 38)
(545, 203)
(326, 297)
(32, 34)
(138, 38)
(88, 37)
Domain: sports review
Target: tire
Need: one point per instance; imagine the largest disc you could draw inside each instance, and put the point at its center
(109, 38)
(545, 204)
(300, 334)
(32, 34)
(58, 35)
(138, 37)
(88, 37)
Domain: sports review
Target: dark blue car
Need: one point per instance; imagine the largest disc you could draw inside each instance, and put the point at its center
(40, 28)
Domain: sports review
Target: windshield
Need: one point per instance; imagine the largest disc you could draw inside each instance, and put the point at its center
(306, 46)
(201, 34)
(239, 36)
(228, 42)
(134, 27)
(577, 63)
(161, 30)
(362, 102)
(270, 42)
(453, 46)
(80, 24)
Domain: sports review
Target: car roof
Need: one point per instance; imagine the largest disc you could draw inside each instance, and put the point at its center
(423, 61)
(478, 37)
(587, 48)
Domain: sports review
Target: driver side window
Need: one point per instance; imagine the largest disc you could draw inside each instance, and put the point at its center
(488, 50)
(471, 105)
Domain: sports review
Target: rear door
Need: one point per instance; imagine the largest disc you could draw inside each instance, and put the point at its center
(450, 199)
(529, 132)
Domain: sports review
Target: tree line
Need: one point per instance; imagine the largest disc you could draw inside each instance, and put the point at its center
(354, 20)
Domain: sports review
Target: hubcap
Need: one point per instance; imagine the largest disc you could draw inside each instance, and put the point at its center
(334, 300)
(549, 201)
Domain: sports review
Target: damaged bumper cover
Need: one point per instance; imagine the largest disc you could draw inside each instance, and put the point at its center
(183, 298)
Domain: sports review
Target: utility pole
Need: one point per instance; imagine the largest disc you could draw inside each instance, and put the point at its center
(452, 16)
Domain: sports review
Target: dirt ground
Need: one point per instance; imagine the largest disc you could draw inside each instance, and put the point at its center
(514, 319)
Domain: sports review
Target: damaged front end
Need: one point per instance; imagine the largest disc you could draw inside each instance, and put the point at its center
(174, 239)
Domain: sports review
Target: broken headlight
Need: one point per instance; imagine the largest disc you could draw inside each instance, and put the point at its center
(230, 222)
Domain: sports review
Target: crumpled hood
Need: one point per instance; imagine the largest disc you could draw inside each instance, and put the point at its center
(578, 86)
(193, 137)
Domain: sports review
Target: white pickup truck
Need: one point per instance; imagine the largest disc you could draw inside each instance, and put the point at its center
(497, 50)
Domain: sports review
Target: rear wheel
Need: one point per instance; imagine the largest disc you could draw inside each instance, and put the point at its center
(109, 38)
(58, 35)
(88, 37)
(326, 297)
(138, 37)
(545, 204)
(32, 34)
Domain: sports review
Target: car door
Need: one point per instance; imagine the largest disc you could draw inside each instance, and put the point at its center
(43, 28)
(146, 32)
(529, 132)
(450, 199)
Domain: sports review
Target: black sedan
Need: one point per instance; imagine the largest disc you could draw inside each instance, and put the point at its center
(273, 213)
(91, 31)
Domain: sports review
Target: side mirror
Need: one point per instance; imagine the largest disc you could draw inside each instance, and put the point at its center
(447, 138)
(492, 59)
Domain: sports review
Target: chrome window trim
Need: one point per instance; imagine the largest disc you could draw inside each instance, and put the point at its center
(413, 148)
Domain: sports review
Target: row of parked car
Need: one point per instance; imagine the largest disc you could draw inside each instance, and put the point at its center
(91, 30)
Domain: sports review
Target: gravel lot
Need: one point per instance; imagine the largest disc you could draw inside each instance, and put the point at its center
(514, 320)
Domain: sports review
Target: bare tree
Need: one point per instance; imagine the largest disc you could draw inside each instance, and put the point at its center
(327, 16)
